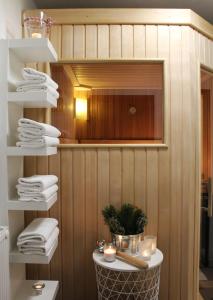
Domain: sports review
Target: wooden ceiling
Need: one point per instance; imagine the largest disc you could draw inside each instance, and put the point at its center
(116, 75)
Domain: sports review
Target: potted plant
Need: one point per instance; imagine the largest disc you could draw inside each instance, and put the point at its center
(126, 225)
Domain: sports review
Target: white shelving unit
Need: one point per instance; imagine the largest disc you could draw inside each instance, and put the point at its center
(49, 292)
(15, 53)
(35, 99)
(33, 50)
(19, 258)
(32, 205)
(19, 151)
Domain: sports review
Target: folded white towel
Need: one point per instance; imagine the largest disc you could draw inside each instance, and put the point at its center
(44, 141)
(37, 87)
(38, 196)
(39, 77)
(36, 183)
(39, 229)
(43, 247)
(36, 128)
(35, 199)
(38, 251)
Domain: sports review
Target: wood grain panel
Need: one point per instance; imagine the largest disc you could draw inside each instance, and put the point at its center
(79, 41)
(79, 238)
(91, 41)
(176, 160)
(127, 41)
(128, 193)
(115, 41)
(103, 191)
(91, 209)
(67, 223)
(164, 179)
(103, 41)
(67, 42)
(139, 41)
(115, 187)
(55, 38)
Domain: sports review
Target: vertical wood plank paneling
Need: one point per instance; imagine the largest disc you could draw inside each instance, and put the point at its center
(188, 147)
(55, 212)
(103, 41)
(42, 169)
(164, 175)
(152, 154)
(55, 38)
(127, 41)
(67, 223)
(176, 160)
(115, 177)
(91, 208)
(79, 41)
(128, 194)
(115, 41)
(91, 41)
(139, 41)
(67, 42)
(140, 179)
(79, 224)
(202, 48)
(103, 191)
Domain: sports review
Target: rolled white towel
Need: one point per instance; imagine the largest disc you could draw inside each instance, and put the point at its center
(38, 196)
(36, 128)
(36, 182)
(44, 141)
(39, 229)
(38, 77)
(44, 247)
(21, 87)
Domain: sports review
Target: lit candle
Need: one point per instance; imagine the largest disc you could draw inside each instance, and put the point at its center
(36, 35)
(146, 249)
(38, 287)
(109, 252)
(153, 240)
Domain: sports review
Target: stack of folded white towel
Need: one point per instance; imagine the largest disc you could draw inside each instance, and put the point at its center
(37, 188)
(39, 237)
(37, 81)
(33, 134)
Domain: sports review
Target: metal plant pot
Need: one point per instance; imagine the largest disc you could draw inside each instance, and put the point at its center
(127, 243)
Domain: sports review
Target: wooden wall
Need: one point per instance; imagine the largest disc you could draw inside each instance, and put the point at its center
(163, 181)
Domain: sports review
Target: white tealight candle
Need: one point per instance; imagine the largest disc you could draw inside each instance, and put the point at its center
(109, 253)
(146, 249)
(36, 35)
(153, 240)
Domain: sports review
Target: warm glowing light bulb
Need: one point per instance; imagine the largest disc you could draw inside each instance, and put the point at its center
(81, 108)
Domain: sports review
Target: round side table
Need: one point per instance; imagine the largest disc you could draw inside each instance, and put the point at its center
(119, 280)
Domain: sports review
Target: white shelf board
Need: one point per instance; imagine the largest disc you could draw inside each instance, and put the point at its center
(32, 205)
(33, 50)
(26, 292)
(33, 99)
(20, 258)
(19, 151)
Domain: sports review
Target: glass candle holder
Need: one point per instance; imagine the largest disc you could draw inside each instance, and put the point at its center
(146, 249)
(37, 26)
(38, 287)
(109, 252)
(153, 240)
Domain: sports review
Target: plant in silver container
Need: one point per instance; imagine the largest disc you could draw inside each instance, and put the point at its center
(126, 226)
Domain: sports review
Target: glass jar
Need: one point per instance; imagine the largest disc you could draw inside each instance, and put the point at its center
(37, 26)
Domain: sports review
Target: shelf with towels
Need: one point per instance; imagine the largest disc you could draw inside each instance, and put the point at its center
(33, 50)
(19, 151)
(34, 99)
(32, 205)
(26, 292)
(20, 258)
